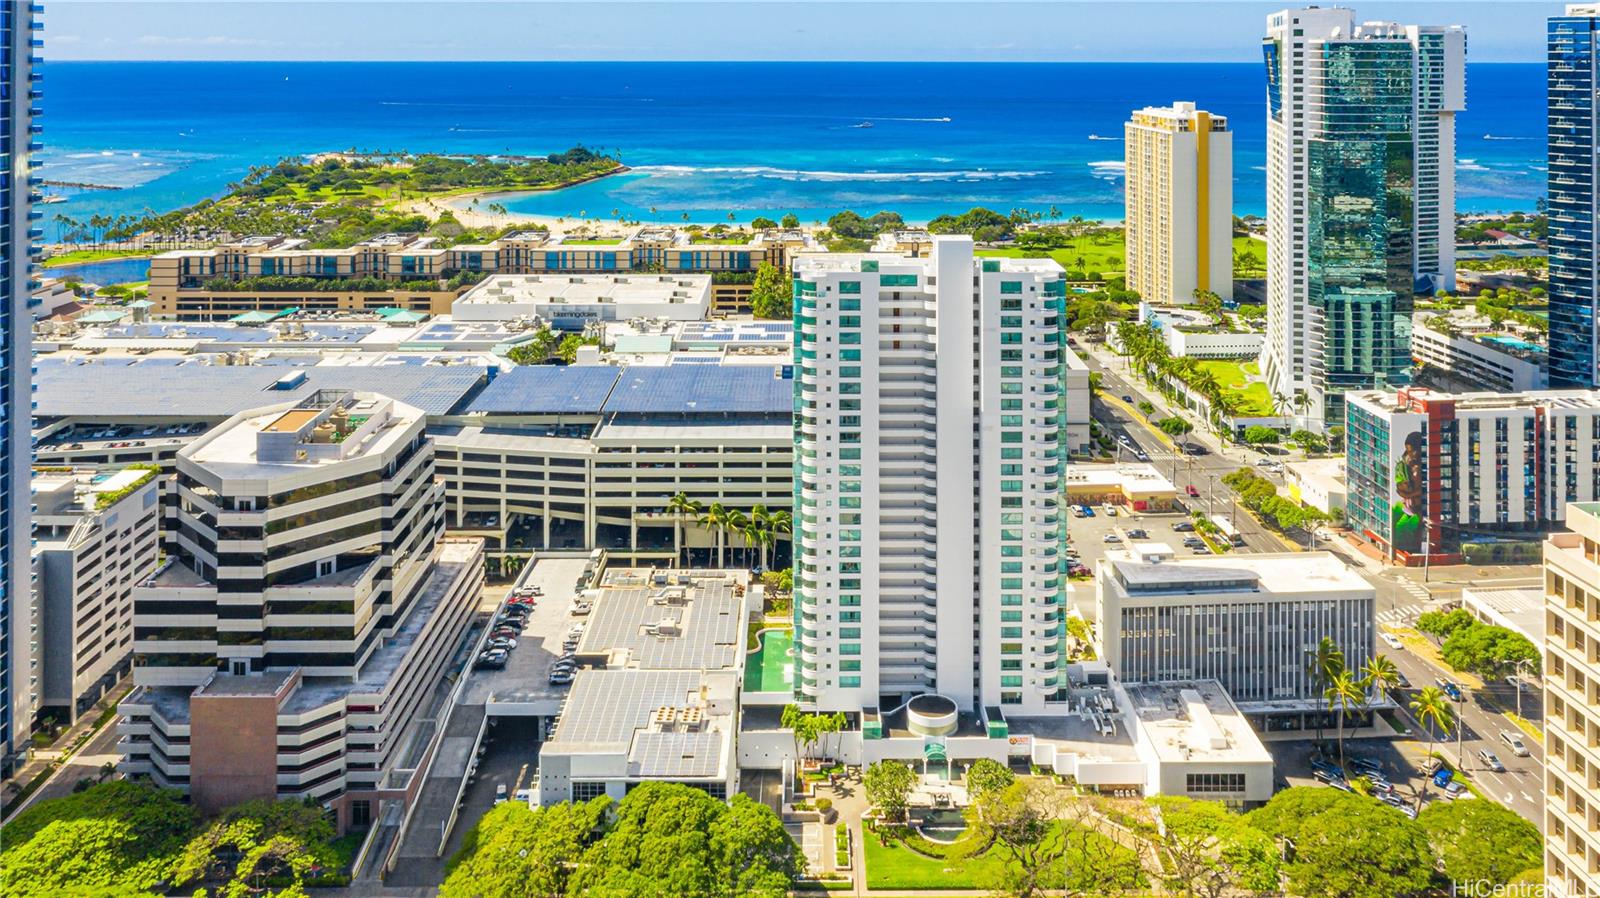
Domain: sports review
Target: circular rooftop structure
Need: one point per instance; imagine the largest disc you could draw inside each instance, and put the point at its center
(932, 715)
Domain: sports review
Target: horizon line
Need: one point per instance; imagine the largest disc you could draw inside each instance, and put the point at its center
(809, 62)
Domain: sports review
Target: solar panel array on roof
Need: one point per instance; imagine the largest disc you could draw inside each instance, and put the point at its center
(142, 389)
(676, 754)
(547, 389)
(702, 388)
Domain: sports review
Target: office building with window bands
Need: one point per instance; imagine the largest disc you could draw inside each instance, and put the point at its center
(1360, 197)
(19, 634)
(1478, 477)
(1246, 621)
(1572, 705)
(1573, 78)
(98, 536)
(930, 439)
(296, 635)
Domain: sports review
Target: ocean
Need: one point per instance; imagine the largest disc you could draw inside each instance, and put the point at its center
(710, 141)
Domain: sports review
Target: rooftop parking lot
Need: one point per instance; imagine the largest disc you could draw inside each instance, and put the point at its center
(526, 676)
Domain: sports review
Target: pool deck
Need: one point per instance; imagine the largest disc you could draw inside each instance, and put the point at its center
(771, 667)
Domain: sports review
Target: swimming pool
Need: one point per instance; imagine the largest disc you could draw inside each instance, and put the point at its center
(1513, 343)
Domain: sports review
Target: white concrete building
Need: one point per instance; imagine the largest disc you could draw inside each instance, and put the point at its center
(1076, 401)
(1339, 290)
(1518, 610)
(656, 698)
(1179, 203)
(1571, 707)
(930, 437)
(98, 535)
(1246, 621)
(1484, 361)
(570, 301)
(1191, 342)
(1317, 482)
(306, 612)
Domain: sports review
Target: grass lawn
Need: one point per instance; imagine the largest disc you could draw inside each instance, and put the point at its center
(79, 256)
(1101, 254)
(1258, 248)
(897, 867)
(1234, 376)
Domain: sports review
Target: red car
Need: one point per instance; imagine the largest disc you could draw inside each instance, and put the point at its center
(1193, 491)
(520, 600)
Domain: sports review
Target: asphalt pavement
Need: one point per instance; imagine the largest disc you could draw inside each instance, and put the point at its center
(1402, 593)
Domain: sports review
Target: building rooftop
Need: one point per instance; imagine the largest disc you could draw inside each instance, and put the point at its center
(693, 626)
(1194, 721)
(669, 724)
(547, 389)
(61, 493)
(324, 428)
(1412, 399)
(164, 388)
(1520, 610)
(1278, 573)
(697, 389)
(1136, 476)
(586, 289)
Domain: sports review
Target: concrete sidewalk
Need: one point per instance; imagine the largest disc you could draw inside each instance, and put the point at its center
(50, 760)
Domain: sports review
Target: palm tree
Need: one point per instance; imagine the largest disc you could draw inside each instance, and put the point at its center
(1325, 663)
(736, 523)
(684, 507)
(1434, 710)
(761, 519)
(1345, 690)
(715, 519)
(1380, 672)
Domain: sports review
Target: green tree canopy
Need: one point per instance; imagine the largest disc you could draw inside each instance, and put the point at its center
(117, 838)
(1346, 845)
(888, 786)
(1210, 850)
(671, 839)
(1481, 840)
(772, 296)
(761, 222)
(262, 839)
(515, 852)
(986, 776)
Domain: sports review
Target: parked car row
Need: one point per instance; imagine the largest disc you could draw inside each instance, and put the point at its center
(505, 632)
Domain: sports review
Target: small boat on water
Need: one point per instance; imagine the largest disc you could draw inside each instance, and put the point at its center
(862, 125)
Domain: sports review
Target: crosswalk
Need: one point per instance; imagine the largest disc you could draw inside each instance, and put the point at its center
(1416, 589)
(1400, 614)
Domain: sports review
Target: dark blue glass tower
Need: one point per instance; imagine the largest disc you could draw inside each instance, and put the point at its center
(18, 91)
(1571, 120)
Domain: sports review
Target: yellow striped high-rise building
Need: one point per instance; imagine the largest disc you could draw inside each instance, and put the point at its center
(1179, 203)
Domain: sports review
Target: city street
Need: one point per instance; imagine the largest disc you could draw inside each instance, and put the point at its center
(1402, 593)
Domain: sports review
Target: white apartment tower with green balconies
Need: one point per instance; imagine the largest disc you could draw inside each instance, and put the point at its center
(929, 448)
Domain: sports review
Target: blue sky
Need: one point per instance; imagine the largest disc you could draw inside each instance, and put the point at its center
(925, 30)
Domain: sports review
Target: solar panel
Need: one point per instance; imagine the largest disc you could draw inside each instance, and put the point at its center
(701, 388)
(547, 389)
(143, 389)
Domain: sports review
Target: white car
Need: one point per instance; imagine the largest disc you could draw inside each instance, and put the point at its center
(1518, 747)
(1391, 640)
(1109, 511)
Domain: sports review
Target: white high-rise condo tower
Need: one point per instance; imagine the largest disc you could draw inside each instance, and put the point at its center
(929, 449)
(1360, 198)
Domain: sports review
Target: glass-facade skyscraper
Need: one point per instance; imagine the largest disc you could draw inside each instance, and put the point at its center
(1572, 181)
(1360, 198)
(18, 91)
